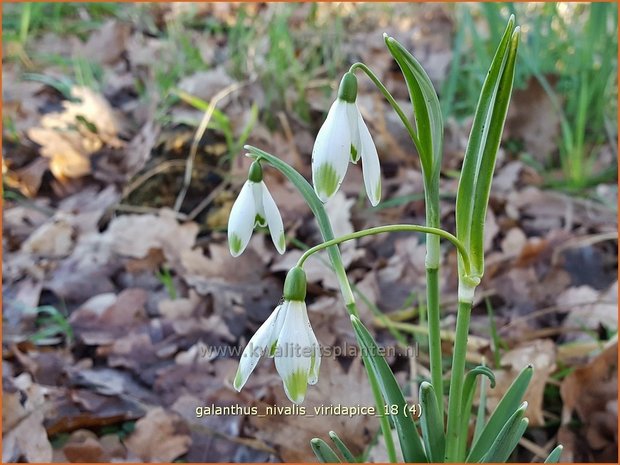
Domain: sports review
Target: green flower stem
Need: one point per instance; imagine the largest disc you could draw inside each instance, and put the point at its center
(325, 227)
(390, 228)
(431, 194)
(434, 334)
(386, 93)
(456, 383)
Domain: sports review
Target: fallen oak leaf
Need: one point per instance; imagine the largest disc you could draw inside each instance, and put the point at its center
(160, 436)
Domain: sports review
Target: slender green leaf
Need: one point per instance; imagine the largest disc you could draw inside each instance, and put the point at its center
(477, 138)
(482, 410)
(469, 388)
(431, 423)
(489, 155)
(323, 452)
(426, 108)
(344, 450)
(554, 456)
(508, 437)
(408, 436)
(504, 410)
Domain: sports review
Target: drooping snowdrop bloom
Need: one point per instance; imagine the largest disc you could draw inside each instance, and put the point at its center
(254, 207)
(345, 137)
(286, 336)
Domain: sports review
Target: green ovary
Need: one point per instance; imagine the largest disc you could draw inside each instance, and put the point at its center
(326, 180)
(235, 243)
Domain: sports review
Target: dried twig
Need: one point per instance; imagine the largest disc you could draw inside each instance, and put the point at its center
(202, 127)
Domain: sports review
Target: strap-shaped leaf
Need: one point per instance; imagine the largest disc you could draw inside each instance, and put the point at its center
(323, 452)
(482, 410)
(478, 138)
(489, 155)
(408, 436)
(554, 456)
(344, 450)
(431, 423)
(508, 437)
(469, 388)
(426, 108)
(503, 412)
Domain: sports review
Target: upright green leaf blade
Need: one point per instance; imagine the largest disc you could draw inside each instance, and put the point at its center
(344, 450)
(323, 452)
(468, 398)
(489, 155)
(431, 423)
(504, 410)
(508, 437)
(408, 436)
(477, 138)
(554, 456)
(426, 108)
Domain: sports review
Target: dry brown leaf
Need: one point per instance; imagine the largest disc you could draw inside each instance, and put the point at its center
(51, 240)
(27, 439)
(107, 43)
(589, 308)
(533, 119)
(104, 318)
(541, 354)
(591, 391)
(67, 138)
(135, 235)
(205, 84)
(160, 436)
(83, 447)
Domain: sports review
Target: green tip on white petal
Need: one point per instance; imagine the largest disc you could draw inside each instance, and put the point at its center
(238, 382)
(326, 181)
(282, 244)
(296, 385)
(235, 244)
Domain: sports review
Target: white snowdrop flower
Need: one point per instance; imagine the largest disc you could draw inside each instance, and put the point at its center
(345, 137)
(254, 207)
(286, 336)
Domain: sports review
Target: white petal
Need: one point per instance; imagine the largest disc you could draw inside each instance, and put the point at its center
(353, 114)
(294, 352)
(274, 220)
(259, 344)
(241, 220)
(332, 151)
(257, 194)
(313, 376)
(370, 163)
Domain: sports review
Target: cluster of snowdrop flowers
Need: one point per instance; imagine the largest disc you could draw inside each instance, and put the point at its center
(286, 336)
(254, 207)
(344, 138)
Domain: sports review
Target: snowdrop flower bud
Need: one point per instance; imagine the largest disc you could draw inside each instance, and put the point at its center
(288, 337)
(345, 137)
(254, 207)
